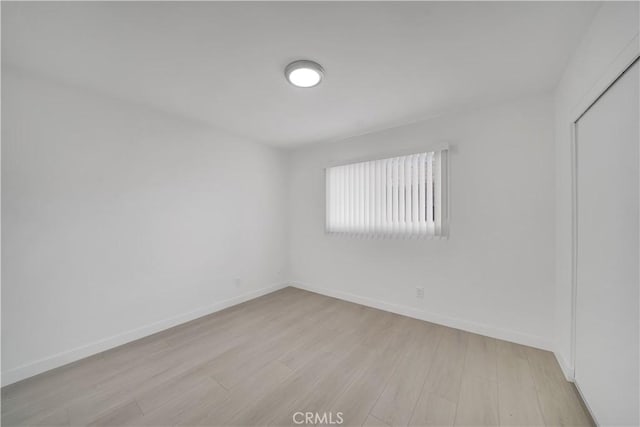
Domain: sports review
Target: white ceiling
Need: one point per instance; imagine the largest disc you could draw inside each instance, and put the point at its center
(387, 63)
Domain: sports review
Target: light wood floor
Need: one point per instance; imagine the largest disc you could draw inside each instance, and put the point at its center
(294, 351)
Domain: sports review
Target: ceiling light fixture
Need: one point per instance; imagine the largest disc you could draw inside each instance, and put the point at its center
(304, 73)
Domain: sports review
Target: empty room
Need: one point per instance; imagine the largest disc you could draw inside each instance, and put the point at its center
(320, 213)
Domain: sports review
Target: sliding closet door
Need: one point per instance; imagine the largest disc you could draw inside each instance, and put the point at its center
(606, 346)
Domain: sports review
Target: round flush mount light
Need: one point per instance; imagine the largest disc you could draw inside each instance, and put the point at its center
(304, 73)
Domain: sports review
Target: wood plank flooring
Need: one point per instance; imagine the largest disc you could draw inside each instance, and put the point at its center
(292, 351)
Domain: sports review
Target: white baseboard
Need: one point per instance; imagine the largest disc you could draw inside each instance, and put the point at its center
(36, 367)
(569, 374)
(567, 369)
(465, 325)
(586, 405)
(54, 361)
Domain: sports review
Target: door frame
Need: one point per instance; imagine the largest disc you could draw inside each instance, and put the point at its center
(625, 60)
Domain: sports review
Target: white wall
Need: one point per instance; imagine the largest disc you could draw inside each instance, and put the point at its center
(611, 33)
(495, 274)
(118, 221)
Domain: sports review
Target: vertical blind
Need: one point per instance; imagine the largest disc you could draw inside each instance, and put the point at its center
(395, 197)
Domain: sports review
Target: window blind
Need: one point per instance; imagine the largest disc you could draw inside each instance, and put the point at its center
(402, 196)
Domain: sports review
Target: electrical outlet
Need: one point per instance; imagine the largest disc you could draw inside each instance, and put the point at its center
(238, 282)
(419, 292)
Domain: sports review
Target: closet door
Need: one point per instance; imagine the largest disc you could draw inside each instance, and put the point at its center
(606, 339)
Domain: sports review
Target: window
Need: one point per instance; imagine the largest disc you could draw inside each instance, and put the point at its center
(397, 197)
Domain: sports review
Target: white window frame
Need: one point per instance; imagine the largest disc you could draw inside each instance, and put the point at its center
(362, 200)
